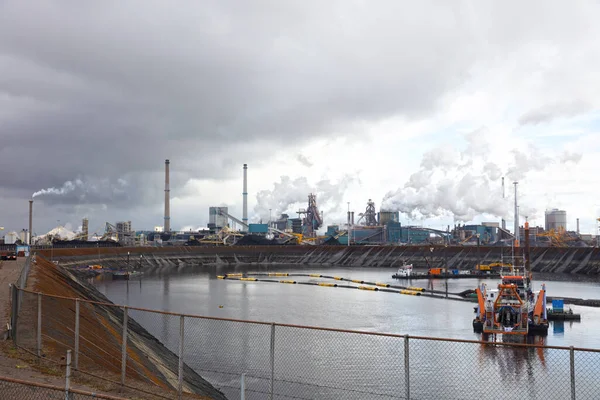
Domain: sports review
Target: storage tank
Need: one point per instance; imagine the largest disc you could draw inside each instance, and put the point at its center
(11, 238)
(556, 219)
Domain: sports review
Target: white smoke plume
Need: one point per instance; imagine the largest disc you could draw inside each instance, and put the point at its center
(79, 191)
(466, 183)
(289, 195)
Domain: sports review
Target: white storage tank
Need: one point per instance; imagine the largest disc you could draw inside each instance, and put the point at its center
(11, 238)
(556, 219)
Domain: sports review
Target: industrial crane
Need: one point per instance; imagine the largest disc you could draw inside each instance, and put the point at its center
(557, 238)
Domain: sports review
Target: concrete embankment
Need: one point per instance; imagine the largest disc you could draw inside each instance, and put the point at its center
(100, 333)
(543, 259)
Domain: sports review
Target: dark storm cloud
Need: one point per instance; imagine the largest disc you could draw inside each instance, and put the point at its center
(102, 91)
(106, 89)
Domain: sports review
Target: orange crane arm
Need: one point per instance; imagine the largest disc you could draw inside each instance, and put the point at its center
(539, 307)
(481, 302)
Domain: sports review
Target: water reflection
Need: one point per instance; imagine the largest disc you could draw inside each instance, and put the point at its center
(558, 327)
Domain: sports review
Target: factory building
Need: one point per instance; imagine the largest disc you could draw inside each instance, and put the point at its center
(396, 233)
(388, 216)
(262, 229)
(283, 223)
(217, 217)
(487, 233)
(556, 219)
(534, 232)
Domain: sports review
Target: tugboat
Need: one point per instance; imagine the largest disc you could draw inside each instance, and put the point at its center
(405, 271)
(512, 309)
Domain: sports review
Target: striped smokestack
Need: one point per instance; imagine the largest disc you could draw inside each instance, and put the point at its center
(167, 227)
(29, 235)
(245, 196)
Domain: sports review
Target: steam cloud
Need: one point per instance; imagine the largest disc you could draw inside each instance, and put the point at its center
(465, 184)
(288, 195)
(89, 191)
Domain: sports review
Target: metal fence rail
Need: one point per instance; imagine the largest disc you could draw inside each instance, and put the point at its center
(283, 361)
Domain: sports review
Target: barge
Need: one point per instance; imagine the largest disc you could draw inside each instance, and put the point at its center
(406, 272)
(558, 312)
(513, 308)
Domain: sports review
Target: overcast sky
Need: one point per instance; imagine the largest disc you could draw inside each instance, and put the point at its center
(422, 106)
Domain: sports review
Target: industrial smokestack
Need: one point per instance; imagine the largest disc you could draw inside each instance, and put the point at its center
(516, 216)
(29, 235)
(245, 196)
(577, 226)
(167, 227)
(503, 193)
(85, 229)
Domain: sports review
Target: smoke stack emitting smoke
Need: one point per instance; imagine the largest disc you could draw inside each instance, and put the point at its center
(30, 234)
(466, 184)
(288, 195)
(167, 227)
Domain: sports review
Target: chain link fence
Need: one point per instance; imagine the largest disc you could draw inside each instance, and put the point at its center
(11, 388)
(256, 360)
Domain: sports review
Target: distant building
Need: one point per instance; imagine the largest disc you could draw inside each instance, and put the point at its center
(534, 231)
(125, 234)
(123, 227)
(217, 217)
(388, 216)
(556, 219)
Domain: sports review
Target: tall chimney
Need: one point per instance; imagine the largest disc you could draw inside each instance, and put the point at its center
(167, 227)
(30, 235)
(245, 196)
(516, 216)
(85, 229)
(577, 226)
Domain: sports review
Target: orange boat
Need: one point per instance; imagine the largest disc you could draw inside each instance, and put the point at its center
(513, 308)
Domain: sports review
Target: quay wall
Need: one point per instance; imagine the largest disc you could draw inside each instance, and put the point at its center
(543, 259)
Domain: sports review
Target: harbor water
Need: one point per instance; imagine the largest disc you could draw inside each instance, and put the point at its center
(198, 291)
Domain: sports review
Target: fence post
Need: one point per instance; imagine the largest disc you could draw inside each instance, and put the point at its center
(124, 347)
(39, 324)
(406, 368)
(68, 378)
(243, 387)
(15, 312)
(76, 333)
(272, 359)
(181, 330)
(572, 354)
